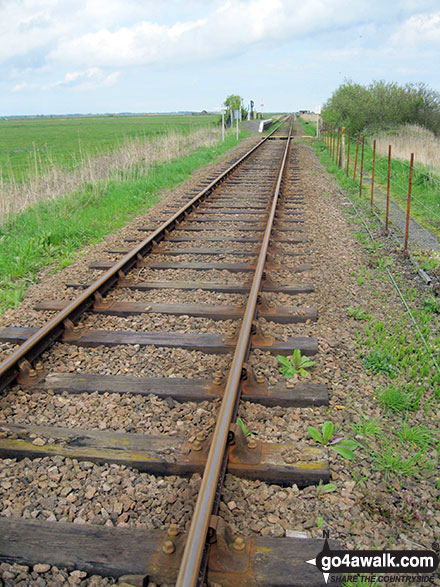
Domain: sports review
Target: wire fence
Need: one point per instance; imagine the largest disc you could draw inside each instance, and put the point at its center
(406, 183)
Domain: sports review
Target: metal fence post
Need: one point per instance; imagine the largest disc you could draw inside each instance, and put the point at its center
(372, 173)
(356, 157)
(408, 205)
(387, 213)
(362, 167)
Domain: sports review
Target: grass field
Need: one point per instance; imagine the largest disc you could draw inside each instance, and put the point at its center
(51, 230)
(30, 145)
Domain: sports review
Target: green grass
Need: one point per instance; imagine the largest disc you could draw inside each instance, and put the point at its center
(416, 435)
(399, 398)
(308, 127)
(379, 361)
(29, 144)
(391, 460)
(367, 427)
(50, 232)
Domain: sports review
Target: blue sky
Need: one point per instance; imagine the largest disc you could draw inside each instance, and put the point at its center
(89, 56)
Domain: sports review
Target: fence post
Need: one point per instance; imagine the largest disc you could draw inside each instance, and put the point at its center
(342, 153)
(348, 153)
(362, 167)
(387, 213)
(372, 173)
(356, 158)
(408, 205)
(337, 147)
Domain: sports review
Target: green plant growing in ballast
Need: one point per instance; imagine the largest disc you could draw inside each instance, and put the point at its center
(297, 364)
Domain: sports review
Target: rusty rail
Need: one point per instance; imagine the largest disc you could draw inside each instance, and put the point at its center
(190, 572)
(19, 362)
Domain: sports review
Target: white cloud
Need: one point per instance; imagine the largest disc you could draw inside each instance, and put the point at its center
(89, 79)
(124, 33)
(27, 26)
(79, 44)
(420, 29)
(20, 86)
(40, 25)
(224, 29)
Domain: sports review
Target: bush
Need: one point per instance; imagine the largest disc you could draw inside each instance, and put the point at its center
(383, 105)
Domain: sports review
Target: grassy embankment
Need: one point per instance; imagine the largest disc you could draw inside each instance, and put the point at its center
(50, 231)
(399, 354)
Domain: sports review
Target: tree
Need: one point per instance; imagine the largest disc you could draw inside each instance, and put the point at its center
(233, 101)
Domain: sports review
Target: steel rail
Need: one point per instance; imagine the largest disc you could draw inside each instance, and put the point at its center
(196, 539)
(54, 328)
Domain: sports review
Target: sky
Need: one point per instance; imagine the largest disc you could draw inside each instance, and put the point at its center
(99, 56)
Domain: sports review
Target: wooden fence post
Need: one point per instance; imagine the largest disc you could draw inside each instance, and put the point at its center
(342, 154)
(337, 147)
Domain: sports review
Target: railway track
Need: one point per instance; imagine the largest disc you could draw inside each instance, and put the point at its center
(206, 284)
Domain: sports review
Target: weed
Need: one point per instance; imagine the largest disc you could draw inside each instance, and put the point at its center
(323, 437)
(360, 280)
(358, 479)
(391, 461)
(400, 398)
(361, 237)
(379, 361)
(297, 364)
(342, 447)
(358, 313)
(243, 426)
(367, 427)
(431, 305)
(416, 435)
(322, 489)
(383, 262)
(374, 247)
